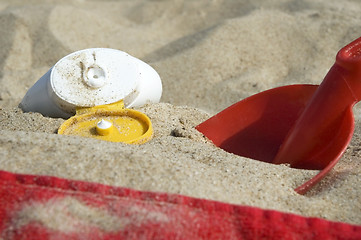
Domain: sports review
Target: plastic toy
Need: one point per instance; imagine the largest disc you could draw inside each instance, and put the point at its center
(97, 84)
(306, 126)
(111, 123)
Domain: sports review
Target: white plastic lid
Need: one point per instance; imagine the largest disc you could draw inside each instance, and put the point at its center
(92, 77)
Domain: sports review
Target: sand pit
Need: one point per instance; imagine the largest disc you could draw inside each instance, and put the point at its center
(209, 54)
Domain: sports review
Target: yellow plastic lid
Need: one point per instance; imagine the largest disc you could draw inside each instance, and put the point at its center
(111, 123)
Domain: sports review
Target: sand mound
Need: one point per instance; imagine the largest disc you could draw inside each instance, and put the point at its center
(209, 54)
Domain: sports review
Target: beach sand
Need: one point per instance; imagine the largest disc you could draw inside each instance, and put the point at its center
(209, 54)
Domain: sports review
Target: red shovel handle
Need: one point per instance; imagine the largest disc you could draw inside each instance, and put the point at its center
(349, 58)
(321, 134)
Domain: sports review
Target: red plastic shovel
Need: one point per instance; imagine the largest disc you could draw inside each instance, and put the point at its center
(307, 126)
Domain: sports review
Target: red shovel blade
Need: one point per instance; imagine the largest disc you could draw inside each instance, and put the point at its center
(257, 126)
(307, 126)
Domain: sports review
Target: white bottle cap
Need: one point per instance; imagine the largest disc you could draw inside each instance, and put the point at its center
(93, 77)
